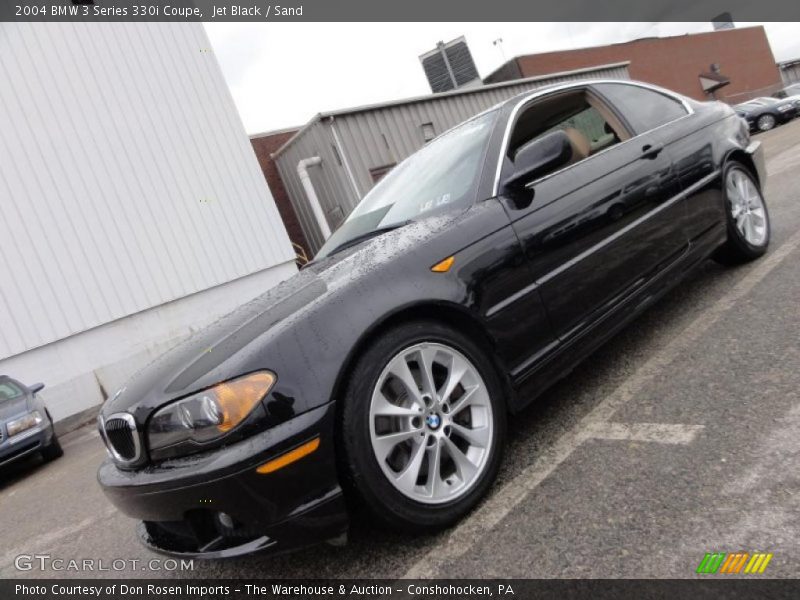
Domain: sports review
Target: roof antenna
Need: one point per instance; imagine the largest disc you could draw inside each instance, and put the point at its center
(499, 44)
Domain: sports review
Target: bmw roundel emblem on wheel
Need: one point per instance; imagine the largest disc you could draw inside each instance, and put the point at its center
(378, 380)
(433, 421)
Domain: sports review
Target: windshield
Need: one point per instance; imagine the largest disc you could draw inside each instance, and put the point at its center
(9, 391)
(441, 175)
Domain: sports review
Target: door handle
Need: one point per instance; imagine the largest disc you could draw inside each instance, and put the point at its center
(651, 151)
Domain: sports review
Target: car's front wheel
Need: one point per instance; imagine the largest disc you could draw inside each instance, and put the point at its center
(766, 122)
(53, 450)
(422, 428)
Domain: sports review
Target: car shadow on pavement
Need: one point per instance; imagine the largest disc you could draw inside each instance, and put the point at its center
(20, 469)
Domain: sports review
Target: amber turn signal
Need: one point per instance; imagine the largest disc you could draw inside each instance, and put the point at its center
(443, 266)
(288, 458)
(238, 397)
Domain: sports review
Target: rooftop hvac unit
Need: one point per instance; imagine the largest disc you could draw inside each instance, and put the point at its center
(449, 66)
(723, 21)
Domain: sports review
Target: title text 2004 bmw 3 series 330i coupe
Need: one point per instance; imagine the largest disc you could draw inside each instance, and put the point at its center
(479, 271)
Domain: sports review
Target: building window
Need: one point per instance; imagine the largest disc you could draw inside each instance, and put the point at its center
(378, 172)
(336, 216)
(428, 132)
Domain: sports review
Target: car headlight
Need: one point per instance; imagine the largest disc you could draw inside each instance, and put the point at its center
(208, 415)
(785, 107)
(32, 419)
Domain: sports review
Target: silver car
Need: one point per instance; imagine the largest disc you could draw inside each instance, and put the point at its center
(25, 425)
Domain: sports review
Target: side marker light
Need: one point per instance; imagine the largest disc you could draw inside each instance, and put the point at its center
(288, 458)
(444, 265)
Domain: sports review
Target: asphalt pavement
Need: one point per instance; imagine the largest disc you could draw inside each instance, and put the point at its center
(679, 437)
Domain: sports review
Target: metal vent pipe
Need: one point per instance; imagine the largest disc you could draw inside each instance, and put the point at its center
(311, 193)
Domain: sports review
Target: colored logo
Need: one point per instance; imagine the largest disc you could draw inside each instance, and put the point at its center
(734, 563)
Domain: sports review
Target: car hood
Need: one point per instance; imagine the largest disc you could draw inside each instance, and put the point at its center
(211, 354)
(12, 408)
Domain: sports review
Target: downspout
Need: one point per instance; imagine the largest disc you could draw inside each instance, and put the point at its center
(311, 193)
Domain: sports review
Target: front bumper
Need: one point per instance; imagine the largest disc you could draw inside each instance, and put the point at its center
(215, 504)
(26, 443)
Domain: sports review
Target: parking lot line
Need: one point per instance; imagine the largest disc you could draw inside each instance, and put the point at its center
(662, 433)
(459, 540)
(42, 543)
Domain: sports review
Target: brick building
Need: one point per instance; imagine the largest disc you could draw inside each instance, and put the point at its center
(264, 145)
(743, 55)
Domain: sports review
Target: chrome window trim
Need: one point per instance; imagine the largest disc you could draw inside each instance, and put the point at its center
(131, 422)
(579, 84)
(601, 244)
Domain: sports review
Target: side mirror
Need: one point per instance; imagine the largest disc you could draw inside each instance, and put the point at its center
(36, 388)
(540, 156)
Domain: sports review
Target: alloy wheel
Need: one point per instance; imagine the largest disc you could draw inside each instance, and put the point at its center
(431, 423)
(766, 122)
(747, 207)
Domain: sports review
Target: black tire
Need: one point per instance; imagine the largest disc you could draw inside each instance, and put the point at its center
(364, 481)
(52, 451)
(766, 122)
(737, 250)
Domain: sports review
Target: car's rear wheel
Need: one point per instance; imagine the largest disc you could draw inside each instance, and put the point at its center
(766, 122)
(422, 428)
(747, 217)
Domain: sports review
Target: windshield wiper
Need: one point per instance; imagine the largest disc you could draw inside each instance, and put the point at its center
(367, 235)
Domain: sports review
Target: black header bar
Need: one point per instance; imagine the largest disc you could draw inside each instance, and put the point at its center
(401, 10)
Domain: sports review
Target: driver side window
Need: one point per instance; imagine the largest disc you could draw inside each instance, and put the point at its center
(586, 125)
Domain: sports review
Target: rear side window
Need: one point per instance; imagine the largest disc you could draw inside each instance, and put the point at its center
(644, 109)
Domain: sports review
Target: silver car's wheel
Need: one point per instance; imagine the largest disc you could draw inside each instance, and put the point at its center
(765, 122)
(431, 423)
(747, 207)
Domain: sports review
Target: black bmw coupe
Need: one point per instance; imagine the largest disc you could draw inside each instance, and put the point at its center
(476, 274)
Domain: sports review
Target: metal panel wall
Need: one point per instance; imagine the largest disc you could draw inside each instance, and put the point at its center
(790, 73)
(385, 135)
(330, 180)
(126, 177)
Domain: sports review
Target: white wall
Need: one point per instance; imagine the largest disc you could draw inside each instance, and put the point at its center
(126, 177)
(132, 207)
(79, 368)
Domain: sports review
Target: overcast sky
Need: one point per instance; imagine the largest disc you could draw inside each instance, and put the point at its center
(281, 74)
